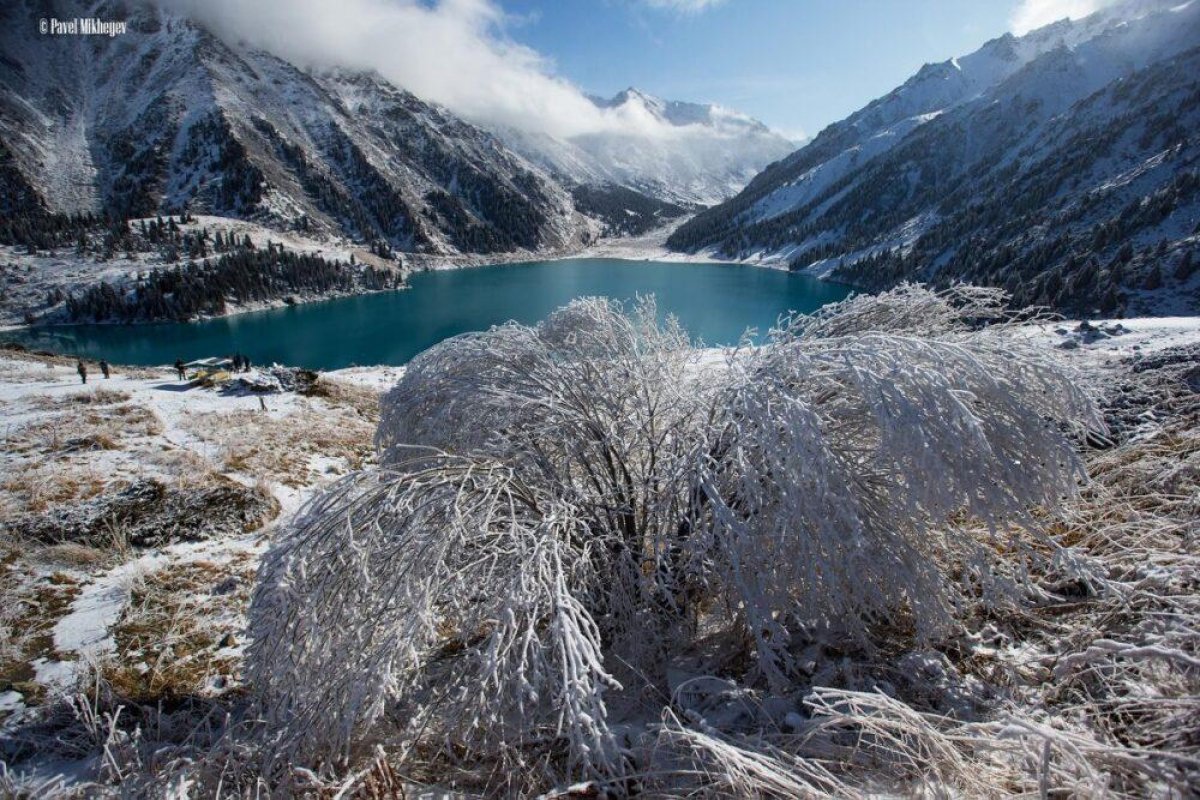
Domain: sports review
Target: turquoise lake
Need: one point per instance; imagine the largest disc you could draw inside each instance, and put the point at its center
(715, 302)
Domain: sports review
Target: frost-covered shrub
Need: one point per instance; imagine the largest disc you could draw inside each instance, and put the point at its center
(563, 505)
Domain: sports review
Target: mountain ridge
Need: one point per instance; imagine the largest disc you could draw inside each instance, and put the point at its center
(943, 180)
(170, 116)
(702, 153)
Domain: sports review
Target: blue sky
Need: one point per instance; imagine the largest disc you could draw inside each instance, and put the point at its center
(795, 64)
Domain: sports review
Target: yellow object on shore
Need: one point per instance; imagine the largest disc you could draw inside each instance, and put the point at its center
(213, 377)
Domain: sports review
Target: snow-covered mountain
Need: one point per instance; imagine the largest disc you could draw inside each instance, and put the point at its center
(690, 154)
(167, 116)
(1063, 164)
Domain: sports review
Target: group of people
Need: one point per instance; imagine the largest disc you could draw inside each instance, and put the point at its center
(82, 369)
(240, 362)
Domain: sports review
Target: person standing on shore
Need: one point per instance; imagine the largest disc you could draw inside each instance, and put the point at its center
(180, 370)
(81, 368)
(104, 368)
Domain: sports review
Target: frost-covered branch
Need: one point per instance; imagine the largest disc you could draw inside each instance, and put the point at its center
(562, 503)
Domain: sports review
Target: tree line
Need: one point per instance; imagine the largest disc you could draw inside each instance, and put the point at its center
(205, 289)
(623, 211)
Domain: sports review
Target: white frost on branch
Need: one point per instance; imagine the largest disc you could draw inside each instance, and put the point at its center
(560, 503)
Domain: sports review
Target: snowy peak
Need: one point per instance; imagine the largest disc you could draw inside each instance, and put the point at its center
(171, 115)
(680, 153)
(939, 86)
(631, 94)
(168, 117)
(679, 113)
(1066, 135)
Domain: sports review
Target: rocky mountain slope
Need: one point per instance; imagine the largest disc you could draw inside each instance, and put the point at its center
(1063, 165)
(168, 116)
(706, 156)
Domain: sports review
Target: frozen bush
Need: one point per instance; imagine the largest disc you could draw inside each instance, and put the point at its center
(560, 503)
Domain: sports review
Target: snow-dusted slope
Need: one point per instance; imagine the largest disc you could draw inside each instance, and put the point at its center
(1061, 164)
(167, 115)
(684, 153)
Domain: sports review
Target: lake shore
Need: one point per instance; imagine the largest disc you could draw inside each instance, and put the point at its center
(31, 280)
(715, 302)
(43, 274)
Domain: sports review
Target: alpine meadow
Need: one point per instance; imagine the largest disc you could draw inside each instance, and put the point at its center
(511, 398)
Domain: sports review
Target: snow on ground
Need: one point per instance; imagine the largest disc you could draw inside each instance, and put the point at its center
(191, 418)
(380, 379)
(30, 278)
(84, 631)
(1108, 341)
(175, 612)
(651, 246)
(63, 599)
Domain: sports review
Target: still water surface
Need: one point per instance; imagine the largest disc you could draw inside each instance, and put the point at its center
(715, 302)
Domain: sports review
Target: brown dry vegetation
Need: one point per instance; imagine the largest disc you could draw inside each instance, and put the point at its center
(36, 487)
(54, 468)
(80, 423)
(176, 638)
(30, 606)
(79, 453)
(341, 394)
(1091, 688)
(1139, 514)
(281, 450)
(99, 396)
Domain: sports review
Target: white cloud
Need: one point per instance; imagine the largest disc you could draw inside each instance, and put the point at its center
(797, 136)
(452, 52)
(1030, 14)
(686, 6)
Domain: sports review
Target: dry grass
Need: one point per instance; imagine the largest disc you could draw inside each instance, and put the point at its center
(1091, 690)
(74, 555)
(48, 465)
(25, 373)
(23, 366)
(143, 373)
(341, 394)
(82, 426)
(185, 469)
(178, 636)
(36, 487)
(99, 396)
(30, 606)
(282, 450)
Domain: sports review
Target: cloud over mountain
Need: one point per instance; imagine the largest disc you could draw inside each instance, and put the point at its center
(1032, 14)
(452, 52)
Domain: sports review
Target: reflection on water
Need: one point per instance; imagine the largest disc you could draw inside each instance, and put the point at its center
(715, 302)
